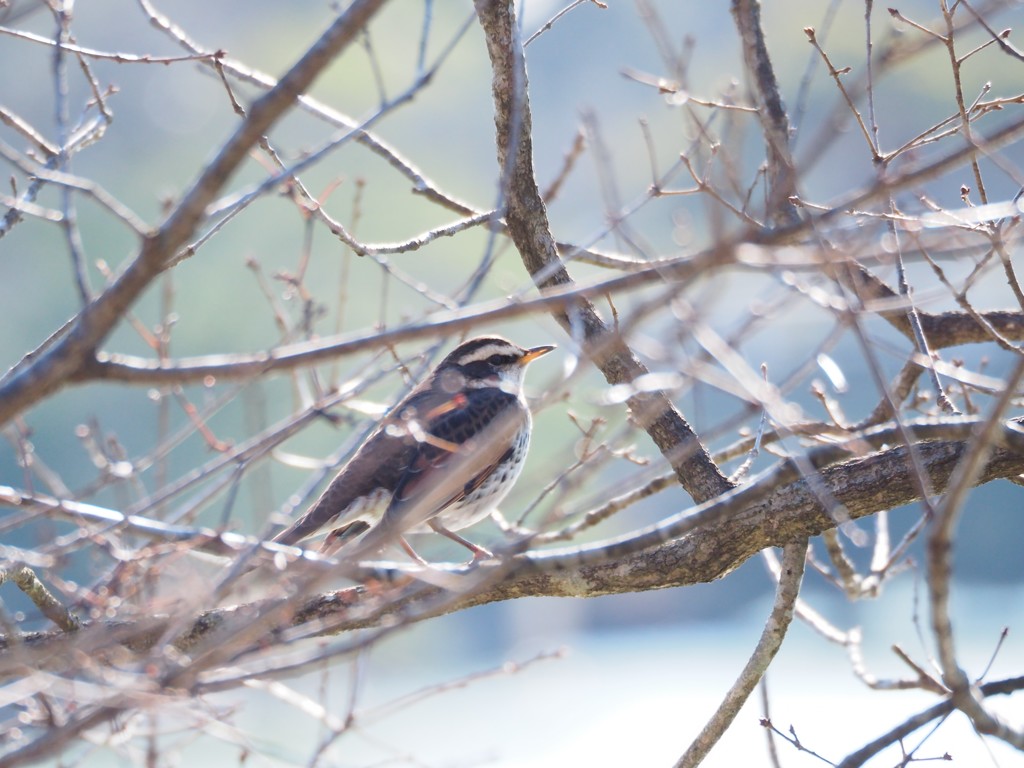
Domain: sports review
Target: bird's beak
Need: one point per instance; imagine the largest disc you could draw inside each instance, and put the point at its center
(533, 354)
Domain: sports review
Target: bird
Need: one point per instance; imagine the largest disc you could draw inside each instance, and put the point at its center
(441, 460)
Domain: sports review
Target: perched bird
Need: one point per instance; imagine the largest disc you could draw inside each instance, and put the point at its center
(441, 460)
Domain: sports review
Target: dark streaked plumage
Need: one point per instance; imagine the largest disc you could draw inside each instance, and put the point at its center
(441, 460)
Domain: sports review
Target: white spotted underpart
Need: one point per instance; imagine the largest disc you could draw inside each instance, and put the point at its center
(483, 500)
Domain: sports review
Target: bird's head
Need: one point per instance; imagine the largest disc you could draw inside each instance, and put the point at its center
(489, 361)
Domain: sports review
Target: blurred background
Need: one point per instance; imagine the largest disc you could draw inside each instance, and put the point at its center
(628, 679)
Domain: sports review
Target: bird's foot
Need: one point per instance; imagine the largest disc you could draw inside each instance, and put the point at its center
(479, 554)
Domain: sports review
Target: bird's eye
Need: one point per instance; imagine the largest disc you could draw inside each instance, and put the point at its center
(496, 359)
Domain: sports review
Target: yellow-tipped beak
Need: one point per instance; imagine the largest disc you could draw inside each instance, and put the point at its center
(533, 354)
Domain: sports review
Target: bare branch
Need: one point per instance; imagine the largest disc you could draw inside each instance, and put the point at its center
(48, 372)
(791, 577)
(528, 227)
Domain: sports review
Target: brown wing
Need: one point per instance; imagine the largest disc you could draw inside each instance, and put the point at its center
(379, 463)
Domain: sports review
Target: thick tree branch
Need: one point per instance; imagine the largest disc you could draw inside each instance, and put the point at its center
(527, 221)
(771, 111)
(772, 510)
(947, 329)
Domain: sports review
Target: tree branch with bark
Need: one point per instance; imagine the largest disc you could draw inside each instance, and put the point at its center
(809, 350)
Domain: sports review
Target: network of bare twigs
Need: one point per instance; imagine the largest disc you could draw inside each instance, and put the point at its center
(801, 344)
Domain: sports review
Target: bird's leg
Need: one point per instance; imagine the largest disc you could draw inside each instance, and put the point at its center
(479, 553)
(412, 552)
(339, 537)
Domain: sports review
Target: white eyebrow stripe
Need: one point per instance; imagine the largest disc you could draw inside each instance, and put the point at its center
(483, 353)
